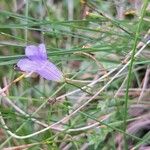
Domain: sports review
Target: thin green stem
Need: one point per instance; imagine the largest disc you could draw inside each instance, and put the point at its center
(130, 73)
(26, 14)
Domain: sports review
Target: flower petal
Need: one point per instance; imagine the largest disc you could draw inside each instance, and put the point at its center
(50, 72)
(44, 68)
(27, 65)
(42, 51)
(36, 52)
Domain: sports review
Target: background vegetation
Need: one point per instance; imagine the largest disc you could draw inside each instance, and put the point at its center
(102, 46)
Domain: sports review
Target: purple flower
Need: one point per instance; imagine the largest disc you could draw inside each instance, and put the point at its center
(36, 61)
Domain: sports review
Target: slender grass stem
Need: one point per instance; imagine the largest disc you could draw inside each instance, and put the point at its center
(26, 14)
(130, 73)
